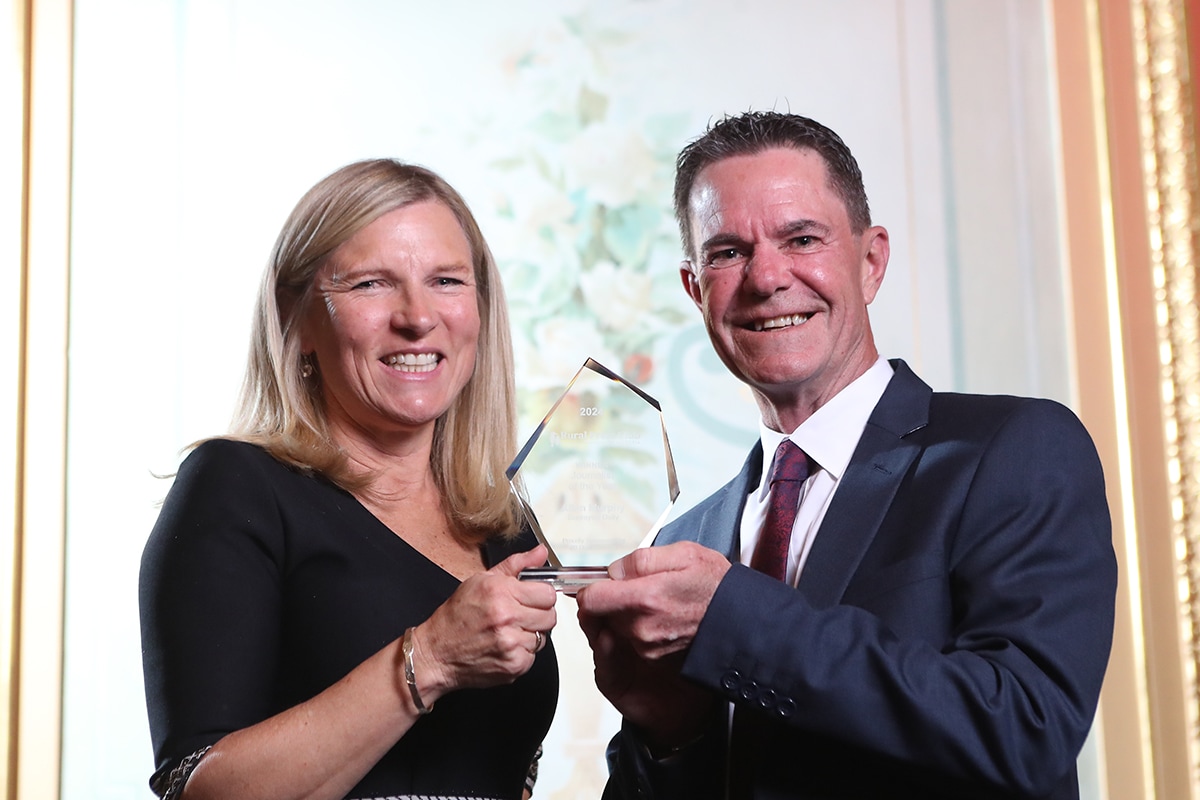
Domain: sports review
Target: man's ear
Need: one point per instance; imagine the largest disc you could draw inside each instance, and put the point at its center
(876, 251)
(691, 284)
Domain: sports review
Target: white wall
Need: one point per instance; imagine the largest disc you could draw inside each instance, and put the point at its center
(200, 122)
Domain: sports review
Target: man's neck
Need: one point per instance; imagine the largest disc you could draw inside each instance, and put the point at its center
(787, 410)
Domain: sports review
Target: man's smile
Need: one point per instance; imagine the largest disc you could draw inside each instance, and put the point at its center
(785, 321)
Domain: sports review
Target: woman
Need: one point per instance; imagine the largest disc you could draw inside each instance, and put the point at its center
(329, 598)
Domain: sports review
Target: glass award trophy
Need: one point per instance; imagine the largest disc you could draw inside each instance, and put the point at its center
(596, 479)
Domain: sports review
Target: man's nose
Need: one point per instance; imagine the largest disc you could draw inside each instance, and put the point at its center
(768, 271)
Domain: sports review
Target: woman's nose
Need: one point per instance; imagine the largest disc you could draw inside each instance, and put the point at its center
(413, 312)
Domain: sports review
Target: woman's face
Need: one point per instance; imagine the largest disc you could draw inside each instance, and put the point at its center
(394, 323)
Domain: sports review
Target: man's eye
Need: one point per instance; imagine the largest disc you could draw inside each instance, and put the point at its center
(444, 281)
(367, 284)
(723, 258)
(804, 241)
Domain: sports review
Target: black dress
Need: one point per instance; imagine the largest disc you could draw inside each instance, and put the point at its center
(261, 587)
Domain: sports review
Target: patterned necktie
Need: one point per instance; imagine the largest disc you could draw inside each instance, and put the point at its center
(788, 474)
(790, 470)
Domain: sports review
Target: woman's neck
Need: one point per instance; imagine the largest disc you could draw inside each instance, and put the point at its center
(397, 464)
(402, 494)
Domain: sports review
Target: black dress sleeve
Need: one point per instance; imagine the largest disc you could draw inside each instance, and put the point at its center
(210, 601)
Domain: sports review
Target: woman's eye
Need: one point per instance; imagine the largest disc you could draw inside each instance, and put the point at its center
(444, 281)
(367, 284)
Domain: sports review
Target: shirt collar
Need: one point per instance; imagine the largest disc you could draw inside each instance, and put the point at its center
(830, 435)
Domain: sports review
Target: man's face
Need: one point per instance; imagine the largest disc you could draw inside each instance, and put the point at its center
(781, 279)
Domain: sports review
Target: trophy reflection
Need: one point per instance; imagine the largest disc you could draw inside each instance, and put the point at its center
(596, 479)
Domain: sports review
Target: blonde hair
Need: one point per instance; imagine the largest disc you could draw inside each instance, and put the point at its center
(283, 412)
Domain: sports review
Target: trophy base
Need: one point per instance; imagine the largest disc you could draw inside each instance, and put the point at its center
(567, 580)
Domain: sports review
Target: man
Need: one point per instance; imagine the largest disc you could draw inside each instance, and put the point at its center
(939, 617)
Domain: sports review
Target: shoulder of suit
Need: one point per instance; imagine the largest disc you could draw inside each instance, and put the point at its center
(995, 403)
(992, 411)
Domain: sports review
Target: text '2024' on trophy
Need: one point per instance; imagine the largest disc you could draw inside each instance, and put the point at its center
(596, 479)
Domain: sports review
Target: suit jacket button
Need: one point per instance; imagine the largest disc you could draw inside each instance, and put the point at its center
(766, 699)
(786, 707)
(731, 680)
(749, 690)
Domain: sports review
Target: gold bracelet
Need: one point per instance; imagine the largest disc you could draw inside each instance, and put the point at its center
(410, 676)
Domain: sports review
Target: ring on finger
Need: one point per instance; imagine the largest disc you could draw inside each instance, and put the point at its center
(539, 641)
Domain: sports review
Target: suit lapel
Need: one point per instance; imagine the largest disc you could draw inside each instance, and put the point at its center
(721, 521)
(865, 492)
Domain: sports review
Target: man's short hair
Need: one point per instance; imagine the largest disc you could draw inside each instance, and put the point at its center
(756, 131)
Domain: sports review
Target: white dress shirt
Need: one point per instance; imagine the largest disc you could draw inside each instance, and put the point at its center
(829, 437)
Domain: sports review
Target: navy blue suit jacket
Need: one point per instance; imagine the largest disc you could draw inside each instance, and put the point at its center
(951, 628)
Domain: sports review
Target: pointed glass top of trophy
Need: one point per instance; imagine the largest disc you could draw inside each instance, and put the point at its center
(596, 480)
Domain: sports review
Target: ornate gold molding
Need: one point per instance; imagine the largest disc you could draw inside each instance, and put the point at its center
(1168, 145)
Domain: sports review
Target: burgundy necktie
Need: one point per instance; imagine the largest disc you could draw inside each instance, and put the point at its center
(788, 474)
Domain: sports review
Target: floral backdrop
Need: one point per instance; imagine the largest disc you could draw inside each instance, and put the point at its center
(577, 209)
